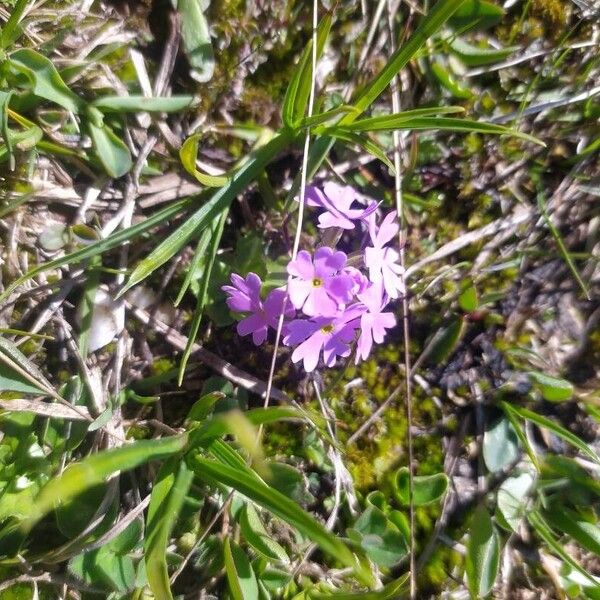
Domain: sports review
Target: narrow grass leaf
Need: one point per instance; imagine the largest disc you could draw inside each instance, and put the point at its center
(168, 494)
(95, 469)
(586, 534)
(122, 104)
(543, 530)
(188, 154)
(101, 246)
(12, 28)
(369, 145)
(245, 481)
(205, 215)
(240, 575)
(555, 428)
(216, 231)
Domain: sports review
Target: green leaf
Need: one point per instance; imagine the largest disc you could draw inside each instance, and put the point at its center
(112, 152)
(209, 211)
(467, 299)
(256, 535)
(391, 591)
(445, 340)
(557, 429)
(112, 241)
(434, 20)
(216, 231)
(246, 482)
(240, 575)
(188, 154)
(500, 446)
(380, 538)
(426, 488)
(563, 520)
(122, 104)
(476, 14)
(19, 374)
(96, 468)
(483, 554)
(298, 91)
(544, 531)
(44, 79)
(435, 123)
(369, 145)
(168, 494)
(512, 499)
(12, 29)
(476, 56)
(552, 389)
(195, 34)
(448, 81)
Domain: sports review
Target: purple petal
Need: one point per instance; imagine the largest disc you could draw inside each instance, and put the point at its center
(389, 228)
(341, 196)
(298, 331)
(302, 266)
(260, 335)
(340, 288)
(328, 262)
(319, 302)
(314, 196)
(298, 290)
(250, 324)
(328, 219)
(309, 351)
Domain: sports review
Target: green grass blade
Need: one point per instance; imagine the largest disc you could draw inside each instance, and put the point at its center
(122, 104)
(435, 123)
(168, 494)
(95, 469)
(215, 239)
(195, 264)
(211, 210)
(188, 154)
(434, 20)
(563, 249)
(101, 246)
(245, 482)
(369, 145)
(555, 428)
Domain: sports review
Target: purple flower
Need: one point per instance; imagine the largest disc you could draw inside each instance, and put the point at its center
(244, 296)
(319, 288)
(332, 335)
(337, 201)
(373, 322)
(382, 262)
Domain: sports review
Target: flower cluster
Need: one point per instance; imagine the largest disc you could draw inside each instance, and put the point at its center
(329, 303)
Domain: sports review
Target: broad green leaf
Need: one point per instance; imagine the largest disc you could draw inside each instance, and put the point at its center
(553, 389)
(96, 468)
(255, 534)
(445, 340)
(298, 91)
(436, 123)
(112, 151)
(188, 154)
(543, 530)
(44, 79)
(426, 488)
(434, 20)
(511, 500)
(216, 231)
(476, 56)
(483, 554)
(240, 575)
(202, 408)
(557, 429)
(468, 299)
(112, 241)
(500, 445)
(379, 537)
(209, 211)
(476, 14)
(168, 494)
(563, 520)
(245, 482)
(197, 44)
(121, 104)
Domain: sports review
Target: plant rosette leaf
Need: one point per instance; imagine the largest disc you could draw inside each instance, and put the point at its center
(426, 488)
(483, 554)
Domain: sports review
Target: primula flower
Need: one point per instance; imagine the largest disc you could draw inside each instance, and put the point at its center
(337, 201)
(373, 322)
(244, 296)
(332, 335)
(319, 288)
(382, 262)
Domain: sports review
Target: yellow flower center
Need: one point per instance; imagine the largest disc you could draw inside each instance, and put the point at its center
(327, 328)
(317, 282)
